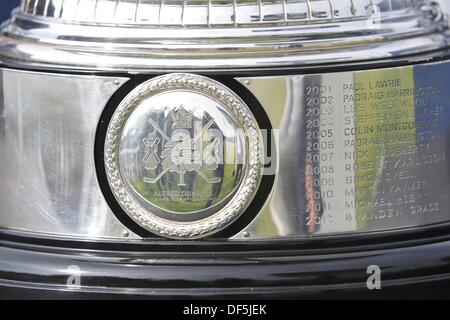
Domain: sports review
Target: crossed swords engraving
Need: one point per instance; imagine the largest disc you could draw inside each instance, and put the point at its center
(152, 147)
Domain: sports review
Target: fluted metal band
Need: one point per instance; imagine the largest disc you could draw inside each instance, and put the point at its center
(210, 13)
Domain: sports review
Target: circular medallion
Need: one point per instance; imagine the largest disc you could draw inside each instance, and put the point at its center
(183, 156)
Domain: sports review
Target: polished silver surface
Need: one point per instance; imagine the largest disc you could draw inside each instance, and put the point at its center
(445, 6)
(355, 152)
(209, 13)
(214, 35)
(183, 156)
(48, 180)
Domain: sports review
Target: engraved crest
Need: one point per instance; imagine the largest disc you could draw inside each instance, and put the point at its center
(182, 151)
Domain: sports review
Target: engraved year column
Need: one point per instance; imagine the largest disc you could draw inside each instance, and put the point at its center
(329, 168)
(319, 154)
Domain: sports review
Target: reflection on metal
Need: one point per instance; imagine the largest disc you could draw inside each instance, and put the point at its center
(357, 152)
(183, 156)
(225, 12)
(370, 151)
(47, 173)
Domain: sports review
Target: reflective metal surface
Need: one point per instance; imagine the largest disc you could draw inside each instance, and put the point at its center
(47, 172)
(199, 35)
(357, 151)
(209, 13)
(370, 151)
(183, 156)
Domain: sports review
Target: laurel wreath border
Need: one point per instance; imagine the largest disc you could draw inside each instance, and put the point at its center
(245, 192)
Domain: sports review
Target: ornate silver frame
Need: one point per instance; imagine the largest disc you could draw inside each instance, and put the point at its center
(252, 169)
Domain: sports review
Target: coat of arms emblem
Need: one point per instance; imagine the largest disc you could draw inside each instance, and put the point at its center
(182, 151)
(183, 156)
